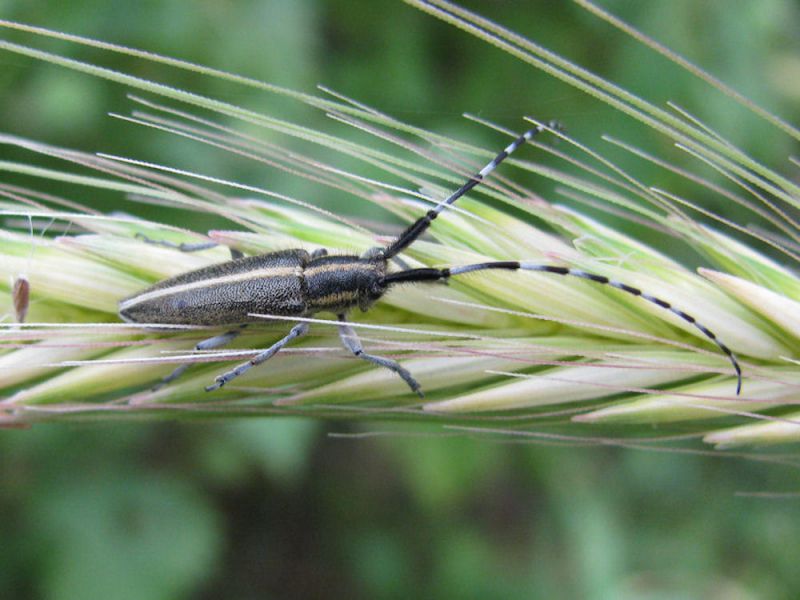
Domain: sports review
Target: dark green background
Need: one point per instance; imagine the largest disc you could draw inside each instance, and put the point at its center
(277, 509)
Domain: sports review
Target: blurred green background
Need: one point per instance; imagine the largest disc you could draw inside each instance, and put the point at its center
(269, 508)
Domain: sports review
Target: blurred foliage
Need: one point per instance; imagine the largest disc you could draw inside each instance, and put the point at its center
(276, 508)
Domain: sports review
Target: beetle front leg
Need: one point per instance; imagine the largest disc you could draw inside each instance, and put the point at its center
(352, 343)
(296, 331)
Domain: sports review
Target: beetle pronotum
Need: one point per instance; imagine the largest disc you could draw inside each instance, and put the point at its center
(295, 283)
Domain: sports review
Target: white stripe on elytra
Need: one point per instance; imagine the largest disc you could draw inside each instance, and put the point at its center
(202, 283)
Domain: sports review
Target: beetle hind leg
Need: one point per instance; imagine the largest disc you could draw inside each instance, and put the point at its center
(352, 343)
(184, 247)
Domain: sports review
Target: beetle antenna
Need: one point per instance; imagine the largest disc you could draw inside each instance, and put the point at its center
(416, 229)
(430, 274)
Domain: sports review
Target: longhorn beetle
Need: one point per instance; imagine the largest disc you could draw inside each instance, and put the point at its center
(296, 283)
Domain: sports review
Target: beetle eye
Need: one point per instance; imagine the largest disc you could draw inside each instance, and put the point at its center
(377, 290)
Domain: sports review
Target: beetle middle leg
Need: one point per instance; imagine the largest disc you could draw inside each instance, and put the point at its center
(296, 331)
(352, 343)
